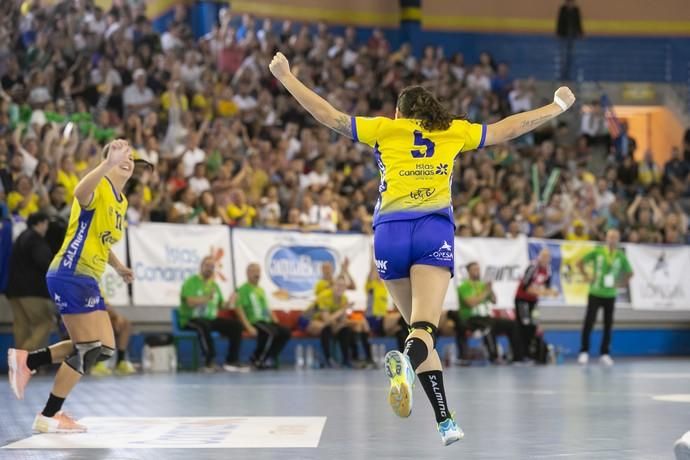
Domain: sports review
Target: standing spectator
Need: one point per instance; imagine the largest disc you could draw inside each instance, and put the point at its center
(33, 310)
(535, 283)
(568, 29)
(200, 302)
(610, 269)
(475, 297)
(323, 214)
(260, 321)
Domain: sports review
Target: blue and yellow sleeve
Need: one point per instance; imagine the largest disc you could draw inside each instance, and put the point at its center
(367, 130)
(473, 133)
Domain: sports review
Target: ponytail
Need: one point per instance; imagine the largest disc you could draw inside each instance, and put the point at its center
(417, 103)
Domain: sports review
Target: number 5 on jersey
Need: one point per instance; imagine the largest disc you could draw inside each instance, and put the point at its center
(421, 141)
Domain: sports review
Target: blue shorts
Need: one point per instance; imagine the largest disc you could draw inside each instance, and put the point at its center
(74, 294)
(400, 244)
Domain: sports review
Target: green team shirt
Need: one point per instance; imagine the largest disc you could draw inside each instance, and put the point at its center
(468, 289)
(608, 268)
(196, 286)
(252, 300)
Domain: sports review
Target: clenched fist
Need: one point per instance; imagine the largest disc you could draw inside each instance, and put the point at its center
(279, 66)
(564, 98)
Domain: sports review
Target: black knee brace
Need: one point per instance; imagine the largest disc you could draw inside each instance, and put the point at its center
(106, 354)
(84, 355)
(428, 327)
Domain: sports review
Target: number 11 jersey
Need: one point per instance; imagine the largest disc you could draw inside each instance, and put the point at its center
(415, 165)
(91, 232)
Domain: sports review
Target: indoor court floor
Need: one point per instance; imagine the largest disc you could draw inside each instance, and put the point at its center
(635, 410)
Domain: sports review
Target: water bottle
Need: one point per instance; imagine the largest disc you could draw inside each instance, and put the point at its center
(446, 356)
(551, 354)
(382, 354)
(452, 355)
(559, 355)
(299, 357)
(309, 361)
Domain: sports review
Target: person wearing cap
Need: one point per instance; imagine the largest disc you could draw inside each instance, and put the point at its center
(138, 97)
(32, 308)
(96, 224)
(579, 232)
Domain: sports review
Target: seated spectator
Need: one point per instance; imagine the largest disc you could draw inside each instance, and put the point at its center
(184, 209)
(209, 211)
(475, 297)
(260, 322)
(649, 172)
(328, 319)
(23, 201)
(383, 322)
(122, 328)
(67, 177)
(137, 97)
(200, 302)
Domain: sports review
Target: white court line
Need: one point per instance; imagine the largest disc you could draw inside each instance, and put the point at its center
(682, 398)
(184, 433)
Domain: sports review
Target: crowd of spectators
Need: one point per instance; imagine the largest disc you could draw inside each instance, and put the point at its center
(230, 147)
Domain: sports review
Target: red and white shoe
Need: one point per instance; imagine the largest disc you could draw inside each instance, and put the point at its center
(19, 373)
(59, 423)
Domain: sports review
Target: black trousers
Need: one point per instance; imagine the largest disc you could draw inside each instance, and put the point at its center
(593, 305)
(228, 328)
(526, 325)
(270, 341)
(492, 327)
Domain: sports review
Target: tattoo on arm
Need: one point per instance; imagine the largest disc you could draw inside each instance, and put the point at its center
(530, 124)
(342, 125)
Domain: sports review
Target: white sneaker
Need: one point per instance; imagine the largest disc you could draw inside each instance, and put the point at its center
(59, 423)
(450, 431)
(236, 368)
(606, 360)
(583, 358)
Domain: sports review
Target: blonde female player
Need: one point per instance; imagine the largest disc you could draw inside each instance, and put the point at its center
(413, 221)
(96, 223)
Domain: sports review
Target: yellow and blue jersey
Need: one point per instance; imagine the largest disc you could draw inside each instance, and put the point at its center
(415, 164)
(92, 231)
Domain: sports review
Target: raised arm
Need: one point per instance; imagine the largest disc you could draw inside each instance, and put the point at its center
(118, 151)
(521, 123)
(317, 106)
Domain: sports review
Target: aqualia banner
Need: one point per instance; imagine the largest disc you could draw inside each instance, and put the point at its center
(291, 263)
(163, 256)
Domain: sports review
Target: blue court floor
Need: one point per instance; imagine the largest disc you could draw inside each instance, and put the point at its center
(635, 410)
